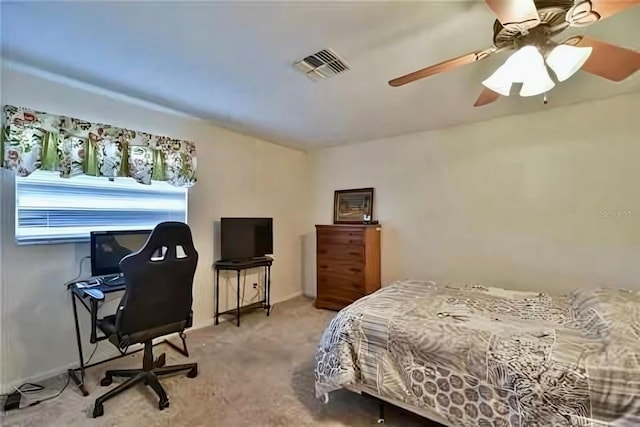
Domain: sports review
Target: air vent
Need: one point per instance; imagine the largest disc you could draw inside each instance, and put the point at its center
(322, 65)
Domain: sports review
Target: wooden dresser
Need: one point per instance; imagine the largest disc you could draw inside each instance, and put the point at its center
(347, 263)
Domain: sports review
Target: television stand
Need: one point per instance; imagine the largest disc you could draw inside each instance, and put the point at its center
(244, 260)
(238, 266)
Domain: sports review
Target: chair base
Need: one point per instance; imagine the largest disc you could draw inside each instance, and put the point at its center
(148, 375)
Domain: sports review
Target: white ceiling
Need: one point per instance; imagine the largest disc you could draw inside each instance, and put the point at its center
(231, 62)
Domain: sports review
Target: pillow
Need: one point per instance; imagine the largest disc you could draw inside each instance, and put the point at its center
(612, 313)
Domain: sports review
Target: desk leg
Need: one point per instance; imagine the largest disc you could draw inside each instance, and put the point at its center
(94, 320)
(72, 372)
(217, 294)
(238, 299)
(268, 290)
(265, 301)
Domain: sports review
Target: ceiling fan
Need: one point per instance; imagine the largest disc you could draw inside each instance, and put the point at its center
(528, 28)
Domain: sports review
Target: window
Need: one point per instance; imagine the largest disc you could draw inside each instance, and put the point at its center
(50, 209)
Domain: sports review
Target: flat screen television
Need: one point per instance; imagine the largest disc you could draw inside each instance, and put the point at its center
(109, 247)
(245, 238)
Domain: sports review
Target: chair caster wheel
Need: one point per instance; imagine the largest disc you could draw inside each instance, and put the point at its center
(98, 410)
(162, 405)
(380, 420)
(193, 373)
(106, 381)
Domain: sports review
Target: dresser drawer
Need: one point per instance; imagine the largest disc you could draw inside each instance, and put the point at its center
(350, 236)
(329, 281)
(334, 303)
(347, 269)
(337, 294)
(350, 253)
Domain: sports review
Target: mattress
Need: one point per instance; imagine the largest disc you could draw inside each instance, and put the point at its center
(481, 356)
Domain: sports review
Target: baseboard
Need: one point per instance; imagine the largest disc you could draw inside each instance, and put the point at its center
(288, 297)
(212, 321)
(8, 388)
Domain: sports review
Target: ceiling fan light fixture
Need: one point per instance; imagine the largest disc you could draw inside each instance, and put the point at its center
(537, 84)
(500, 81)
(508, 73)
(525, 66)
(566, 60)
(533, 72)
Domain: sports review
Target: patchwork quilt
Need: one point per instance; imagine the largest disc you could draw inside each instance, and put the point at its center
(479, 356)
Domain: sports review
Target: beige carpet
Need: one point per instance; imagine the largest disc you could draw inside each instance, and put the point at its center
(260, 374)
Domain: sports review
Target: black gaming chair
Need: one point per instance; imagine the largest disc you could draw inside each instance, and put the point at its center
(157, 302)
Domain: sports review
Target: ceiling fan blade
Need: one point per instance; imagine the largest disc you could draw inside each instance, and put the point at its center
(606, 8)
(515, 13)
(607, 60)
(444, 66)
(587, 12)
(487, 96)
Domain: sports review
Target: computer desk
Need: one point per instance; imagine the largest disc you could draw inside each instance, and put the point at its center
(79, 294)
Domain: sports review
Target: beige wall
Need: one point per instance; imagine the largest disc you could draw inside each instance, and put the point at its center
(546, 201)
(522, 202)
(237, 176)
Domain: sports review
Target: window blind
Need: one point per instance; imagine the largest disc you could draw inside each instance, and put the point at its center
(50, 209)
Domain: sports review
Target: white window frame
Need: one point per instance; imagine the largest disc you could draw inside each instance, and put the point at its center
(81, 234)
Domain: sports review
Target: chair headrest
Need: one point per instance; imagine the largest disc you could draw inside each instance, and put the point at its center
(169, 235)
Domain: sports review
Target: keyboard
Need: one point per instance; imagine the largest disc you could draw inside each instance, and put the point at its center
(114, 283)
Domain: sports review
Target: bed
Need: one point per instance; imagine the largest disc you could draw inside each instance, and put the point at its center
(481, 356)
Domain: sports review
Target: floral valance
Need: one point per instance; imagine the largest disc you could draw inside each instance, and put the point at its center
(34, 140)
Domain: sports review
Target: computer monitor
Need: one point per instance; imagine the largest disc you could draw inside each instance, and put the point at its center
(109, 247)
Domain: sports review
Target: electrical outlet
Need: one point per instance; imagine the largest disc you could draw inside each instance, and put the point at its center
(255, 286)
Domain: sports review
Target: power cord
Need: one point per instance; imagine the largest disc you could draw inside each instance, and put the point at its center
(92, 353)
(260, 291)
(37, 388)
(37, 402)
(244, 286)
(33, 388)
(23, 390)
(79, 271)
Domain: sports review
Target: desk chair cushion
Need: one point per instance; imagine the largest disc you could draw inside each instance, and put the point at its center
(107, 325)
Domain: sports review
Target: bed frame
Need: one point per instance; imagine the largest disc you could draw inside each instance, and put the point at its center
(386, 400)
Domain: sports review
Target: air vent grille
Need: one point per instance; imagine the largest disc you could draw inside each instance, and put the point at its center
(322, 65)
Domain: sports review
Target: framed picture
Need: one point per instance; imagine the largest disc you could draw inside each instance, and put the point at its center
(353, 206)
